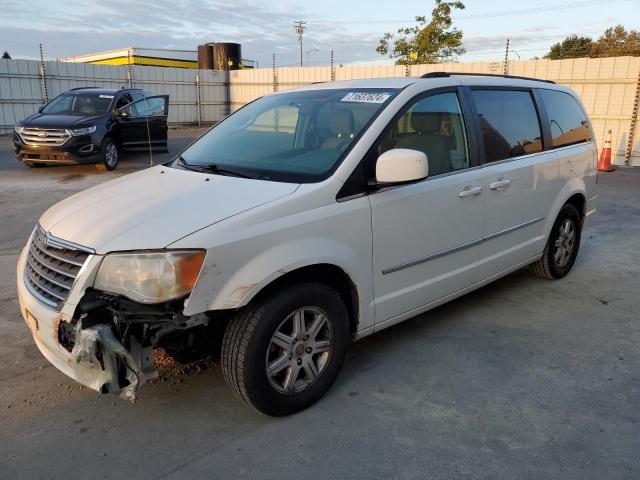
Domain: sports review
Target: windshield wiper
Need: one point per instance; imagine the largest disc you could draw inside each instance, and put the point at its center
(212, 168)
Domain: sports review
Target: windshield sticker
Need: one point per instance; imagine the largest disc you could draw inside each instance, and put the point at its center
(106, 96)
(365, 97)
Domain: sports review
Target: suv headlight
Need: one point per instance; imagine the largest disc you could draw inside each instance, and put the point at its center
(18, 129)
(82, 131)
(150, 277)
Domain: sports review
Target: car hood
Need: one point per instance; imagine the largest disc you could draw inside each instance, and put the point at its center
(58, 121)
(154, 208)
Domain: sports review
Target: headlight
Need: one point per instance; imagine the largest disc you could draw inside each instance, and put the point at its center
(18, 129)
(82, 131)
(153, 277)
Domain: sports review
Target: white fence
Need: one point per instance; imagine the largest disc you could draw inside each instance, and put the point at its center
(609, 88)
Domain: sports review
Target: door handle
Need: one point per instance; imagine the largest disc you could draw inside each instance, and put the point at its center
(470, 191)
(499, 184)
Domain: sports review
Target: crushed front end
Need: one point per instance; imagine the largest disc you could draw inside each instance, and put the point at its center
(104, 341)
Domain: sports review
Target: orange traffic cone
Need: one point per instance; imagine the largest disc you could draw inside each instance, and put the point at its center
(604, 163)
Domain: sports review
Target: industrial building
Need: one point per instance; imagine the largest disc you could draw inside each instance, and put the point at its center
(208, 56)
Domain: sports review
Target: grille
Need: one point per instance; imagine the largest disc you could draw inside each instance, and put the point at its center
(52, 266)
(44, 136)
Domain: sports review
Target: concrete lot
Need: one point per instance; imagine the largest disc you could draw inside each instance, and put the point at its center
(525, 378)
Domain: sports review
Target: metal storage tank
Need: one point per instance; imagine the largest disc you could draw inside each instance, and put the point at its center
(226, 54)
(205, 56)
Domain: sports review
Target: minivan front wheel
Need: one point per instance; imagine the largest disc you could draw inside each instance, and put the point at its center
(280, 355)
(109, 155)
(562, 247)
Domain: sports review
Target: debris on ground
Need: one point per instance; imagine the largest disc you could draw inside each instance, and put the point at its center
(174, 373)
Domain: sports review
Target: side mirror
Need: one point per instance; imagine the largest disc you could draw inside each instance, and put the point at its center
(122, 113)
(401, 165)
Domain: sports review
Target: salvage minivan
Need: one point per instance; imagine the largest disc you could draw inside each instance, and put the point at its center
(308, 219)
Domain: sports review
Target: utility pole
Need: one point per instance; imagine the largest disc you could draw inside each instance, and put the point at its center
(506, 59)
(299, 27)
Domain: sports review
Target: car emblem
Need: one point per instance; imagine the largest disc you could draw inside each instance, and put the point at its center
(42, 134)
(45, 240)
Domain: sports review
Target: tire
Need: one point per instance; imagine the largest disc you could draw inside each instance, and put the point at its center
(250, 345)
(109, 155)
(562, 247)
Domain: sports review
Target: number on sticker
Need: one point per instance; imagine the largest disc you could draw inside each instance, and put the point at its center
(365, 97)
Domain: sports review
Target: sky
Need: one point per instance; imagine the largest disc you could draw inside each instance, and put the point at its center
(350, 28)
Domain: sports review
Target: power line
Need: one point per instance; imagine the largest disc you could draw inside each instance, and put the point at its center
(505, 13)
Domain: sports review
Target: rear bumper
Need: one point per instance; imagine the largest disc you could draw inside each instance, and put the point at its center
(82, 149)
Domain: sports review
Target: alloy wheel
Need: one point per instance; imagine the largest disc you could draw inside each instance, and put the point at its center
(299, 350)
(565, 243)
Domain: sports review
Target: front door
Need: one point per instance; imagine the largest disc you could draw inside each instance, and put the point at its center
(143, 123)
(427, 235)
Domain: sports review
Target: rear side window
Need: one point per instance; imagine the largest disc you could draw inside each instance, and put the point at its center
(569, 124)
(509, 123)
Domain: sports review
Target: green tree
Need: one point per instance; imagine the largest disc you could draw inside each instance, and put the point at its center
(572, 46)
(615, 42)
(6, 55)
(433, 42)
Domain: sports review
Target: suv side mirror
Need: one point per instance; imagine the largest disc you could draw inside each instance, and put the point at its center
(401, 165)
(121, 113)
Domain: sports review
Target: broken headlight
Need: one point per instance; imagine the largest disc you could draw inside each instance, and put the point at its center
(150, 277)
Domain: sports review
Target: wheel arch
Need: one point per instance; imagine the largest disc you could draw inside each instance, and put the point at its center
(574, 193)
(326, 273)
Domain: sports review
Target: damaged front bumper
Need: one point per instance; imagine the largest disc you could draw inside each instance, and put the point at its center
(101, 342)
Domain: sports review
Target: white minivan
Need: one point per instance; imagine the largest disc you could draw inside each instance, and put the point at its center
(305, 220)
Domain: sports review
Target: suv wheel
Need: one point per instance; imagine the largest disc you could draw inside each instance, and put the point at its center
(282, 354)
(562, 247)
(109, 155)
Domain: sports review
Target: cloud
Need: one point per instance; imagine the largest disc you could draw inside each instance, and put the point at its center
(92, 26)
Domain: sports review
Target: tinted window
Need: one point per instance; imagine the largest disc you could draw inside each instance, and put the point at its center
(432, 125)
(509, 123)
(147, 107)
(82, 104)
(138, 95)
(569, 124)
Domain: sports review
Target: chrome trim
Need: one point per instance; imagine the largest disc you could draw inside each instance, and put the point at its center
(51, 267)
(45, 137)
(458, 248)
(513, 229)
(433, 256)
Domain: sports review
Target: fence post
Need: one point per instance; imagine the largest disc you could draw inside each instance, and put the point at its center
(275, 76)
(129, 71)
(506, 59)
(43, 77)
(198, 98)
(406, 69)
(227, 89)
(632, 127)
(333, 69)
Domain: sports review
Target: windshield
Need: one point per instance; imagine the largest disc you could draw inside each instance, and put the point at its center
(291, 137)
(82, 104)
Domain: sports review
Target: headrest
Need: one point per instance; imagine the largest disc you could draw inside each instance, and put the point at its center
(426, 122)
(341, 122)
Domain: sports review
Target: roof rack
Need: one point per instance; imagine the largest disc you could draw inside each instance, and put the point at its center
(449, 74)
(82, 88)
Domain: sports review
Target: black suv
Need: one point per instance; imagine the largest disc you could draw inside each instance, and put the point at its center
(92, 125)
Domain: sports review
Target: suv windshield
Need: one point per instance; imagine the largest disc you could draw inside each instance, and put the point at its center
(291, 137)
(82, 104)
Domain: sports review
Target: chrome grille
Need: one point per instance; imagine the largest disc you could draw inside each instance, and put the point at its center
(52, 266)
(44, 136)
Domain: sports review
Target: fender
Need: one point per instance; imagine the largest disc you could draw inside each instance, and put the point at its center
(257, 272)
(571, 187)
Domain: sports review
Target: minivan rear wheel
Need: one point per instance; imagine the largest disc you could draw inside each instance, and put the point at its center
(281, 354)
(562, 246)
